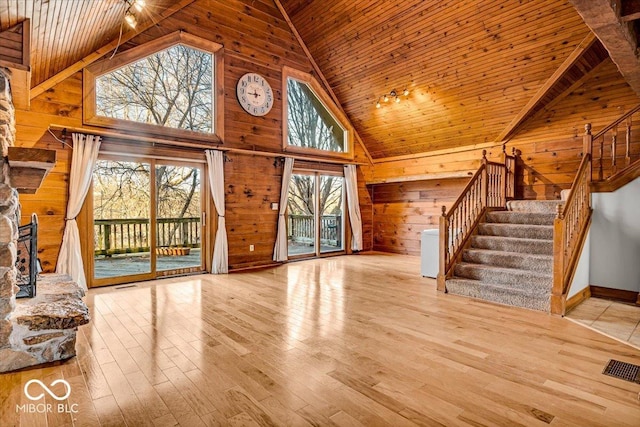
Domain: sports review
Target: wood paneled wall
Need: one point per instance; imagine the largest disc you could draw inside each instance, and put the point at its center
(255, 39)
(551, 142)
(62, 106)
(402, 210)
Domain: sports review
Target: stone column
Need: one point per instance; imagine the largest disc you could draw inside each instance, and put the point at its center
(9, 214)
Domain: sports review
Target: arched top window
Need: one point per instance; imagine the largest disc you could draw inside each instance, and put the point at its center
(312, 122)
(165, 87)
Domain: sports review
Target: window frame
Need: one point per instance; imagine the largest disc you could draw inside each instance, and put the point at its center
(93, 71)
(327, 102)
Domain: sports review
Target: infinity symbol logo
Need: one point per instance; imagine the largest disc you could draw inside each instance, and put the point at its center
(47, 389)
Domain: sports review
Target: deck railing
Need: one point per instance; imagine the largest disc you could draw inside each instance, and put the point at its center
(302, 229)
(490, 187)
(131, 235)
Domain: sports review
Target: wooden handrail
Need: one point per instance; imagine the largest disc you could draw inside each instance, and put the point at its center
(465, 190)
(486, 189)
(617, 122)
(613, 149)
(584, 164)
(569, 233)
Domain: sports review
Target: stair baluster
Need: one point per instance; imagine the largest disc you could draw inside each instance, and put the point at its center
(610, 168)
(570, 230)
(627, 151)
(488, 188)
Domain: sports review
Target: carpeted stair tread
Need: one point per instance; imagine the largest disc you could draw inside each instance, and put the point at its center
(534, 298)
(517, 260)
(512, 244)
(534, 206)
(522, 279)
(508, 217)
(525, 231)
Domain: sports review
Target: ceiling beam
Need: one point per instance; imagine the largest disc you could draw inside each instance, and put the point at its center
(617, 36)
(94, 56)
(317, 70)
(577, 53)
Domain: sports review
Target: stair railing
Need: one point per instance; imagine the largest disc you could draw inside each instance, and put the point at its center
(490, 187)
(570, 229)
(614, 148)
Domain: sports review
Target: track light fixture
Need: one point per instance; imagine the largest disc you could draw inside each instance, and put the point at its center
(129, 15)
(392, 95)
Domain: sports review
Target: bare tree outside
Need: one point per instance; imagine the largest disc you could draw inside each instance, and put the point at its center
(171, 88)
(313, 197)
(311, 125)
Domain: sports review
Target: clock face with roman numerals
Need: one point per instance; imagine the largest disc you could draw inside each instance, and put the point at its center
(254, 94)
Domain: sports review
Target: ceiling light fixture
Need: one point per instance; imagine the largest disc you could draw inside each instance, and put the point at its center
(129, 15)
(130, 18)
(393, 94)
(139, 5)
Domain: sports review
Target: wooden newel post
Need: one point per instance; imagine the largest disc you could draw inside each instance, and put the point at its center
(587, 146)
(443, 247)
(557, 292)
(484, 187)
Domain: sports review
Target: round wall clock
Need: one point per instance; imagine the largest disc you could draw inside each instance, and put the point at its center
(254, 94)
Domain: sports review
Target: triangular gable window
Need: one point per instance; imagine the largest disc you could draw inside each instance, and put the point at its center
(168, 86)
(313, 123)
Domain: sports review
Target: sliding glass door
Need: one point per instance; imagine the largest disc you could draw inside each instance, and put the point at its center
(146, 220)
(315, 212)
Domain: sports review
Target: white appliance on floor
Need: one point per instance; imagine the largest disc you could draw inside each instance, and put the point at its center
(429, 249)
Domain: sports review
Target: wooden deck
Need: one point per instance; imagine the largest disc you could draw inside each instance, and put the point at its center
(351, 340)
(124, 265)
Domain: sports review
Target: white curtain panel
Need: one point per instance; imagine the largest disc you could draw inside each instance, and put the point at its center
(83, 160)
(215, 163)
(353, 204)
(280, 250)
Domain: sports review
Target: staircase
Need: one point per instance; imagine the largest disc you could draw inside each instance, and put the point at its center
(525, 253)
(510, 259)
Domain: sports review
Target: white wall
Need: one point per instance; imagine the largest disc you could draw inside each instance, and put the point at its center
(581, 279)
(615, 238)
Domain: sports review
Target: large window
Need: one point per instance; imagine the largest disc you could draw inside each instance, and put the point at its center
(166, 87)
(312, 122)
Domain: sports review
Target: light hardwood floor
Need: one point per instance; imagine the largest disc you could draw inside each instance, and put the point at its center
(353, 340)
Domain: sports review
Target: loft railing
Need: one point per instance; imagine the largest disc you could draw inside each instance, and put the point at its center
(490, 187)
(570, 229)
(131, 235)
(616, 147)
(302, 229)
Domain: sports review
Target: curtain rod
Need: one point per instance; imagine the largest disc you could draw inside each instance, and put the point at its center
(104, 133)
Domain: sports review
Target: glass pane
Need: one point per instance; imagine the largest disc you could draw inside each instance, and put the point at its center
(179, 230)
(171, 88)
(331, 213)
(121, 211)
(301, 225)
(309, 122)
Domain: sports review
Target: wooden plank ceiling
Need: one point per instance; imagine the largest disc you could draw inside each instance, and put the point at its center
(476, 69)
(65, 31)
(471, 66)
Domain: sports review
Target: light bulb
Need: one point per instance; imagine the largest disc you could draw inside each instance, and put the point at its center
(139, 5)
(131, 19)
(397, 99)
(385, 98)
(405, 92)
(378, 104)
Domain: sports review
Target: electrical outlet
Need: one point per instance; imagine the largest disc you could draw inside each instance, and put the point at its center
(251, 248)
